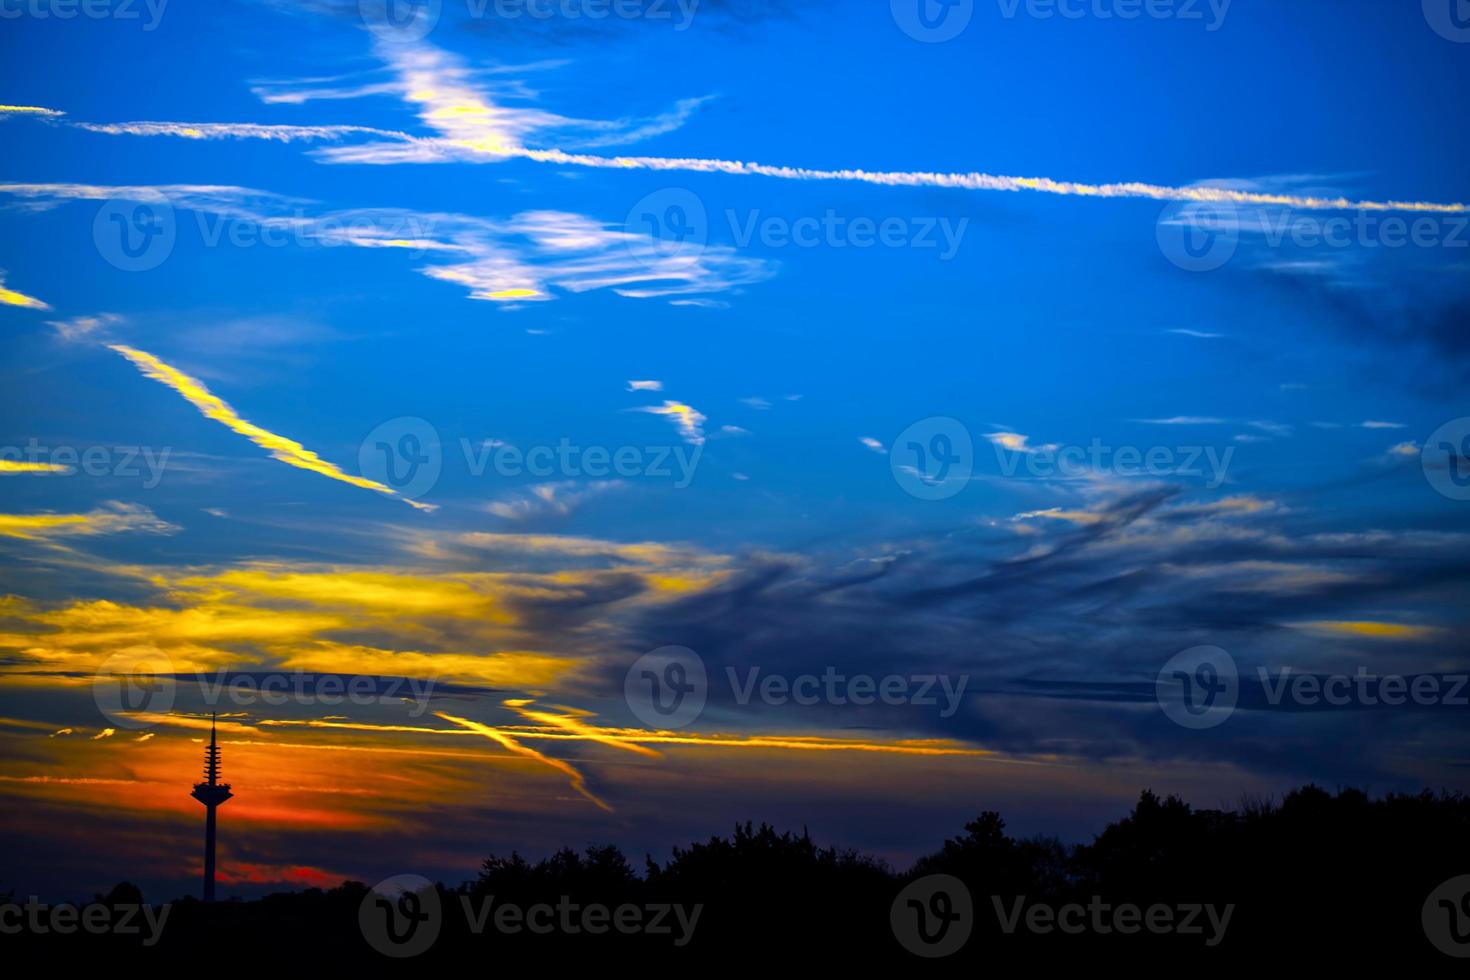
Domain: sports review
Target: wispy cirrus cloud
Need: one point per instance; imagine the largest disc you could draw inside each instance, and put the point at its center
(472, 123)
(528, 257)
(80, 327)
(550, 499)
(12, 297)
(687, 419)
(11, 467)
(1185, 420)
(112, 518)
(211, 406)
(217, 131)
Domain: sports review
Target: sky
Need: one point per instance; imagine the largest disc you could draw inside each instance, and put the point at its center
(605, 393)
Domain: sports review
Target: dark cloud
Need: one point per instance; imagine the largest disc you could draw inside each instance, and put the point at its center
(1062, 634)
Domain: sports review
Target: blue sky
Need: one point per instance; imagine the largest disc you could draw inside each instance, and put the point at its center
(440, 235)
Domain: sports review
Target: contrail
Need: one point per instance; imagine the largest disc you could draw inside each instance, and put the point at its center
(445, 149)
(577, 780)
(213, 407)
(984, 182)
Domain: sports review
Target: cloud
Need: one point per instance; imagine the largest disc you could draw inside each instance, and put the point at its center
(111, 518)
(15, 466)
(991, 182)
(545, 499)
(29, 110)
(1184, 420)
(10, 297)
(577, 781)
(525, 258)
(1017, 443)
(872, 444)
(476, 123)
(688, 420)
(475, 119)
(1374, 424)
(212, 407)
(1278, 429)
(82, 327)
(645, 386)
(1368, 629)
(1201, 334)
(217, 131)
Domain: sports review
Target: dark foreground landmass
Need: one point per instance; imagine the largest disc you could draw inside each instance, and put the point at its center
(1319, 878)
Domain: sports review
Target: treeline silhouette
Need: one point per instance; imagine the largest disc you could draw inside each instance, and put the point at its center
(1317, 878)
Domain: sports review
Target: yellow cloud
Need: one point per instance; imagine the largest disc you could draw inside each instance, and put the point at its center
(1368, 628)
(577, 780)
(500, 669)
(18, 466)
(392, 593)
(688, 420)
(12, 298)
(1058, 514)
(114, 518)
(213, 407)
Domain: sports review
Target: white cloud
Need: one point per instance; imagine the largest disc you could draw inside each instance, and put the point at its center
(688, 420)
(550, 498)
